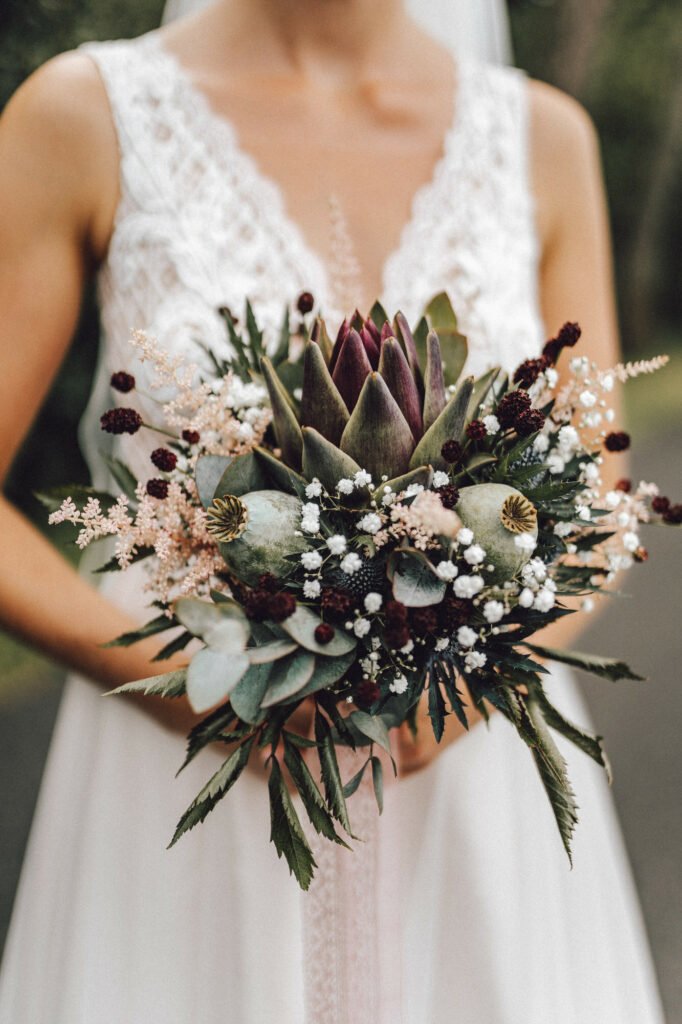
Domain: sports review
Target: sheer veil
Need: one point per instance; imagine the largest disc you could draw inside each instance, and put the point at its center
(477, 29)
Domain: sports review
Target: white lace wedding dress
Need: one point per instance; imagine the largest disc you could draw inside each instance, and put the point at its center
(109, 927)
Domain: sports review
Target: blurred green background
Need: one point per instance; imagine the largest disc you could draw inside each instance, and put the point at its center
(623, 61)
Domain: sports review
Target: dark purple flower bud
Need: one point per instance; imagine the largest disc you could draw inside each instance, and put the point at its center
(191, 436)
(449, 496)
(617, 441)
(476, 430)
(305, 302)
(342, 334)
(660, 504)
(529, 422)
(371, 345)
(281, 606)
(121, 421)
(451, 451)
(324, 633)
(164, 459)
(122, 381)
(157, 488)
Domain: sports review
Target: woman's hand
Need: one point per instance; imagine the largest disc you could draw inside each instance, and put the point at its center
(413, 753)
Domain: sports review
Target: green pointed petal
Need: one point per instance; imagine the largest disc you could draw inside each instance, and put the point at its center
(443, 320)
(450, 424)
(435, 398)
(287, 430)
(324, 460)
(322, 338)
(422, 475)
(322, 407)
(377, 435)
(394, 368)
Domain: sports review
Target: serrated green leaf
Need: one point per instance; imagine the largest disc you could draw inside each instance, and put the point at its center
(170, 684)
(79, 494)
(214, 790)
(173, 647)
(607, 668)
(585, 741)
(158, 625)
(331, 777)
(122, 475)
(312, 799)
(552, 769)
(207, 731)
(436, 708)
(112, 564)
(285, 829)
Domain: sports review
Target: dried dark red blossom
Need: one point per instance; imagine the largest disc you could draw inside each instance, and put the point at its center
(528, 372)
(476, 430)
(281, 606)
(256, 604)
(324, 633)
(452, 451)
(366, 693)
(305, 302)
(660, 505)
(624, 485)
(673, 515)
(337, 602)
(449, 495)
(269, 583)
(530, 422)
(191, 436)
(566, 338)
(513, 405)
(617, 441)
(157, 488)
(454, 612)
(164, 459)
(424, 620)
(396, 635)
(122, 381)
(121, 421)
(395, 612)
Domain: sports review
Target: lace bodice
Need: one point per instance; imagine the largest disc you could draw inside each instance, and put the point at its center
(198, 225)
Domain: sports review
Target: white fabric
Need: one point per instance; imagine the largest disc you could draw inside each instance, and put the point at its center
(108, 927)
(479, 30)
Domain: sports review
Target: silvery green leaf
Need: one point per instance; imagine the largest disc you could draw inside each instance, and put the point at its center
(248, 693)
(170, 684)
(327, 671)
(211, 676)
(288, 677)
(301, 627)
(270, 652)
(242, 475)
(373, 727)
(208, 471)
(415, 582)
(223, 626)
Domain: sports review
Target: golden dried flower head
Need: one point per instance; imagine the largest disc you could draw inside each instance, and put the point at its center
(226, 518)
(518, 514)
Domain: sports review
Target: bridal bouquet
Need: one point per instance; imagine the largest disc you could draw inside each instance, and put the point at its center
(359, 526)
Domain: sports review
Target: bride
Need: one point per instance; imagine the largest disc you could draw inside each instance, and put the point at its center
(189, 169)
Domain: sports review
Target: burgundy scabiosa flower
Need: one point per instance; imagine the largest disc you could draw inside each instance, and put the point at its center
(191, 436)
(476, 430)
(157, 488)
(122, 381)
(164, 459)
(424, 620)
(366, 693)
(452, 451)
(281, 606)
(449, 495)
(567, 337)
(121, 421)
(530, 422)
(511, 407)
(528, 372)
(337, 602)
(396, 635)
(305, 303)
(617, 441)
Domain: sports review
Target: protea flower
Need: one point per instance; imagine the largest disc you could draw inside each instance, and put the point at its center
(376, 400)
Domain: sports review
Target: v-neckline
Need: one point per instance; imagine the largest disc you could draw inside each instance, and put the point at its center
(216, 123)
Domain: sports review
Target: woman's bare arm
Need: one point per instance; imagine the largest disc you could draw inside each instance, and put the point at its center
(58, 189)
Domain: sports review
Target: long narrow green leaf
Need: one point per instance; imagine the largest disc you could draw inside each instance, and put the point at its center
(607, 668)
(378, 782)
(158, 625)
(436, 708)
(285, 829)
(312, 799)
(214, 790)
(585, 741)
(552, 769)
(331, 777)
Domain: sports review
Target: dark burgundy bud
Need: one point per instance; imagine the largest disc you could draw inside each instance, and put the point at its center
(454, 612)
(513, 405)
(452, 451)
(476, 430)
(530, 422)
(424, 620)
(324, 633)
(256, 604)
(617, 441)
(624, 485)
(395, 611)
(660, 505)
(396, 635)
(449, 495)
(269, 583)
(305, 302)
(366, 693)
(281, 606)
(157, 488)
(673, 515)
(569, 335)
(528, 372)
(191, 436)
(387, 331)
(371, 344)
(121, 421)
(164, 459)
(122, 381)
(336, 602)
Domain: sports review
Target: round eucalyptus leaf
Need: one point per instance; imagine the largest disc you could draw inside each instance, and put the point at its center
(211, 676)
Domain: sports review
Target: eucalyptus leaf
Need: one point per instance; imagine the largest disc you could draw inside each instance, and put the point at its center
(248, 693)
(287, 677)
(373, 727)
(327, 671)
(207, 473)
(301, 627)
(212, 675)
(270, 651)
(242, 475)
(415, 582)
